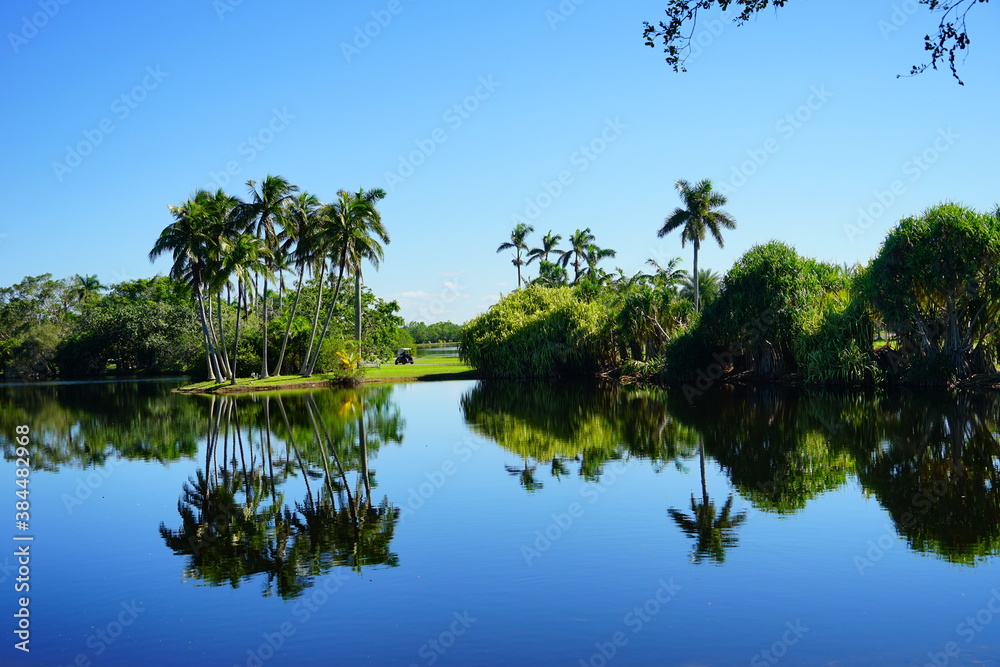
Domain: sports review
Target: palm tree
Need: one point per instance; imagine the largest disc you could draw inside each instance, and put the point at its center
(593, 257)
(709, 283)
(518, 245)
(699, 215)
(583, 250)
(191, 242)
(666, 276)
(223, 215)
(299, 243)
(267, 208)
(353, 232)
(87, 287)
(579, 243)
(549, 243)
(247, 255)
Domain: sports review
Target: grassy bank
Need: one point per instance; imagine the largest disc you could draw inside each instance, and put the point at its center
(421, 370)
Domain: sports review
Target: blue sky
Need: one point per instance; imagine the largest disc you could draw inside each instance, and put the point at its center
(472, 117)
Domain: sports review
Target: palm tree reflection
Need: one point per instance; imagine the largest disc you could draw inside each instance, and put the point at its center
(235, 522)
(713, 533)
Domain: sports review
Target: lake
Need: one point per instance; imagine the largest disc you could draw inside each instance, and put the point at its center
(491, 523)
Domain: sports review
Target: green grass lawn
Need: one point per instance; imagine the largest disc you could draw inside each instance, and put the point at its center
(421, 369)
(429, 369)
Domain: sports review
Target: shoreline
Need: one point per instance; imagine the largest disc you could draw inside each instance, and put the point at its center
(434, 373)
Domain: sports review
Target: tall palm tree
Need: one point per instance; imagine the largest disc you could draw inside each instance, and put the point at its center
(577, 251)
(189, 239)
(584, 251)
(247, 256)
(594, 256)
(699, 215)
(266, 209)
(518, 245)
(223, 213)
(299, 242)
(549, 243)
(353, 233)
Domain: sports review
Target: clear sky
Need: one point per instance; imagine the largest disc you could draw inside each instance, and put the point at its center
(474, 116)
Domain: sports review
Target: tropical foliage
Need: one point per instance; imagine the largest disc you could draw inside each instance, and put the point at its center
(221, 244)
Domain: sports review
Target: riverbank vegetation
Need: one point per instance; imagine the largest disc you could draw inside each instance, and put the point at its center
(53, 328)
(269, 285)
(923, 311)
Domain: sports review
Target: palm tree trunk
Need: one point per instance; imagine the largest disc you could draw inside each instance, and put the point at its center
(263, 314)
(213, 363)
(222, 334)
(236, 336)
(326, 323)
(697, 286)
(704, 484)
(288, 329)
(364, 454)
(357, 308)
(220, 361)
(312, 334)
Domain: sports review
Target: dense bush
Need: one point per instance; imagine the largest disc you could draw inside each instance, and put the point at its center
(936, 285)
(779, 315)
(538, 332)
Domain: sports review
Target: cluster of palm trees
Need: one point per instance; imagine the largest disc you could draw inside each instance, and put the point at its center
(583, 254)
(699, 216)
(219, 242)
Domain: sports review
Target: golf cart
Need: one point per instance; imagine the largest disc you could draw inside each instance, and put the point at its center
(403, 356)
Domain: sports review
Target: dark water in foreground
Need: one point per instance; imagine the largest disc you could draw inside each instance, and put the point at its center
(465, 523)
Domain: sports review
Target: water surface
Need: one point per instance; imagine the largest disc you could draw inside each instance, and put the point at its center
(497, 524)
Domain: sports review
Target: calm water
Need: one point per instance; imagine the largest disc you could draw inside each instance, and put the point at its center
(447, 351)
(465, 523)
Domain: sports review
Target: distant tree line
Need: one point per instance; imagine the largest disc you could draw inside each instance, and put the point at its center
(77, 328)
(439, 332)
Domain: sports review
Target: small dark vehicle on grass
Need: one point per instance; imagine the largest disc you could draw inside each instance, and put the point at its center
(404, 356)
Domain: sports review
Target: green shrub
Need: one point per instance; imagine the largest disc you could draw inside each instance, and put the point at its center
(538, 332)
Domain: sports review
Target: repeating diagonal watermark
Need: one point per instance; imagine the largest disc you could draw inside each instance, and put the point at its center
(365, 34)
(773, 654)
(121, 108)
(706, 377)
(302, 611)
(432, 650)
(968, 629)
(785, 128)
(32, 24)
(635, 620)
(913, 169)
(223, 7)
(248, 149)
(922, 501)
(87, 484)
(580, 161)
(562, 12)
(453, 117)
(900, 15)
(101, 640)
(461, 452)
(562, 522)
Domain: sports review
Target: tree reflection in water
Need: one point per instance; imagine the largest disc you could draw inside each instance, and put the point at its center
(235, 520)
(931, 459)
